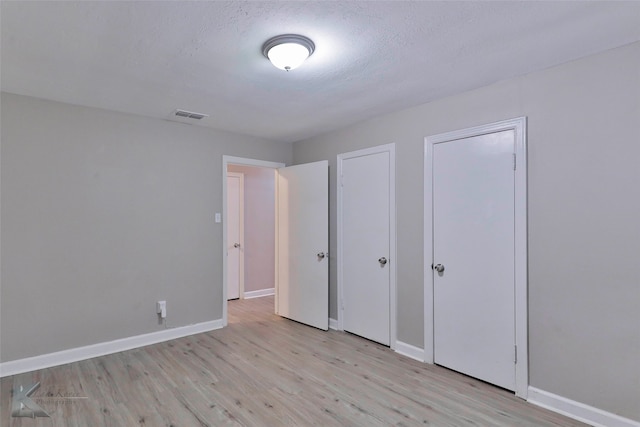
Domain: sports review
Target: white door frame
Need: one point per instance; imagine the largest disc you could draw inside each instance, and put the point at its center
(519, 126)
(226, 161)
(240, 176)
(393, 261)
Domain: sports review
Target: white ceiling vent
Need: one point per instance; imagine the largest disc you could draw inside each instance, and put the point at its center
(189, 115)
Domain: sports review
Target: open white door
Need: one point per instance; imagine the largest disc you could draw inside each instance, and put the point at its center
(302, 244)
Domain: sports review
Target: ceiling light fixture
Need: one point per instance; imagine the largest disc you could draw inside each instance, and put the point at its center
(288, 51)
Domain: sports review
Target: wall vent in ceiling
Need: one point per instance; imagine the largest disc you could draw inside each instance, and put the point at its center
(190, 115)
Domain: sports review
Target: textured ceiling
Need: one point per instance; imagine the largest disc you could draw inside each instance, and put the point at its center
(371, 58)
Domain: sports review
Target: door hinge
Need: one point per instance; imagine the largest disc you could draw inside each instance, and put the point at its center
(341, 180)
(514, 161)
(515, 354)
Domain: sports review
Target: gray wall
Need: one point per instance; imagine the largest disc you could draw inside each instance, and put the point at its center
(259, 226)
(102, 215)
(584, 211)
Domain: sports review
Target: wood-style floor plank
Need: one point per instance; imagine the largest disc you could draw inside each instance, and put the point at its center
(263, 370)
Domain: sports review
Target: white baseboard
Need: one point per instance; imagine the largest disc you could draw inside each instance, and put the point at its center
(333, 324)
(409, 350)
(63, 357)
(576, 410)
(260, 293)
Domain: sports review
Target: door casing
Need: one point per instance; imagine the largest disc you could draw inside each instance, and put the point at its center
(390, 148)
(519, 126)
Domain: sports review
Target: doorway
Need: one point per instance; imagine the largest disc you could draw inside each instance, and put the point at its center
(259, 230)
(476, 252)
(366, 244)
(299, 258)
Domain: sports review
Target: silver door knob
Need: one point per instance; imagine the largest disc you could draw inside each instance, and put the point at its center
(439, 268)
(320, 255)
(382, 261)
(236, 245)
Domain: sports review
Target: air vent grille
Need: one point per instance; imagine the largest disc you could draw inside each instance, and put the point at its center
(190, 115)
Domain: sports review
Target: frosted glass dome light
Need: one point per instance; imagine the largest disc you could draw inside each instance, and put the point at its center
(288, 51)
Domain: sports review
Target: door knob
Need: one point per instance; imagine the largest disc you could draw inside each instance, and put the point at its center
(236, 245)
(320, 255)
(439, 268)
(382, 261)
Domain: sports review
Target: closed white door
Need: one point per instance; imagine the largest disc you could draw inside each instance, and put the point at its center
(473, 244)
(235, 221)
(365, 241)
(302, 270)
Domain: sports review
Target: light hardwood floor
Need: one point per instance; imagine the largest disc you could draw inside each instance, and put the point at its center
(263, 370)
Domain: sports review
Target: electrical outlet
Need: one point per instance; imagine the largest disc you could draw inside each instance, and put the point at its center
(161, 308)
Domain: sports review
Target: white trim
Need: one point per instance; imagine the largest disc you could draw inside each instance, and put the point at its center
(276, 242)
(226, 161)
(428, 253)
(578, 411)
(259, 293)
(393, 259)
(521, 274)
(333, 324)
(519, 126)
(63, 357)
(409, 350)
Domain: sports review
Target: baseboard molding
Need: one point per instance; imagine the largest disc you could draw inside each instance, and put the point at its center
(259, 293)
(409, 350)
(333, 324)
(576, 410)
(63, 357)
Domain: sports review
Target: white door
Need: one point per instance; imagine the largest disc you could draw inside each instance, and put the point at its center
(473, 246)
(235, 221)
(302, 270)
(365, 242)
